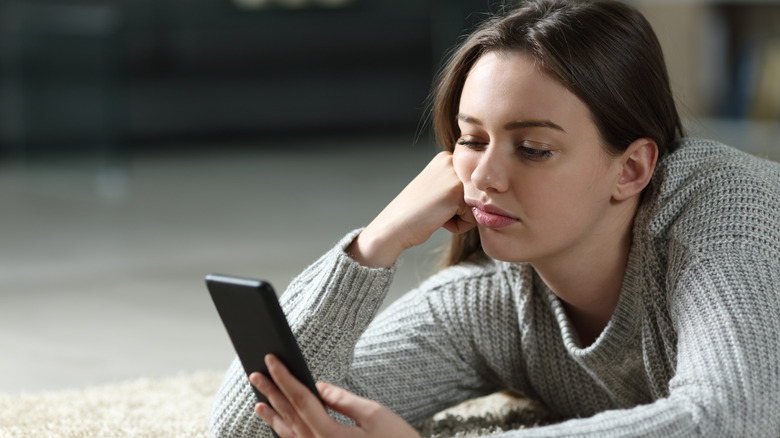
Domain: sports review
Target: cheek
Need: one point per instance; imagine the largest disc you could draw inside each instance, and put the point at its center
(552, 198)
(542, 200)
(571, 198)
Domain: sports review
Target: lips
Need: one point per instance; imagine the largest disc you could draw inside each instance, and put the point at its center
(490, 216)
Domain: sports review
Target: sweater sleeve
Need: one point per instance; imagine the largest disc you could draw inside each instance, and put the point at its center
(420, 355)
(726, 312)
(328, 306)
(449, 340)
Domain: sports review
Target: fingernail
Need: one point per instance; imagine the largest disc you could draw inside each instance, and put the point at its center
(324, 392)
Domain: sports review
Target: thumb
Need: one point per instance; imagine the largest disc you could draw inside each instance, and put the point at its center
(345, 402)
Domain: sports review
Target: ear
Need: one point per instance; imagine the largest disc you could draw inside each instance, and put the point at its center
(638, 164)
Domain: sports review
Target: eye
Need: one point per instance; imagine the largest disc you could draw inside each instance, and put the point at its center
(534, 151)
(469, 142)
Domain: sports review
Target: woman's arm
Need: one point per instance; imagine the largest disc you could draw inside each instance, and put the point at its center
(434, 199)
(416, 358)
(331, 303)
(328, 306)
(419, 356)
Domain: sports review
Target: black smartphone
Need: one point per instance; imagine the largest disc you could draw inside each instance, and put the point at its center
(256, 325)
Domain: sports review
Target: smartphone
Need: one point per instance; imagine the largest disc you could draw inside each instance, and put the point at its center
(256, 325)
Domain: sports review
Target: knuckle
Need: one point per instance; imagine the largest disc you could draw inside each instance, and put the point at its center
(298, 399)
(328, 432)
(373, 410)
(263, 385)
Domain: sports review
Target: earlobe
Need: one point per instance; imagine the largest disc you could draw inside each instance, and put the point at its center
(638, 165)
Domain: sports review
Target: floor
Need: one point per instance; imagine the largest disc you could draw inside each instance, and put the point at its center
(101, 267)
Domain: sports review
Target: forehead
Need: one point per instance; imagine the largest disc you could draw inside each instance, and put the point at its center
(513, 86)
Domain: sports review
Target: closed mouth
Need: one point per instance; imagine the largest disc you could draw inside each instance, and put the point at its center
(490, 216)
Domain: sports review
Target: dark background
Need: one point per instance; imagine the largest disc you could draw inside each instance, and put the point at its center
(122, 74)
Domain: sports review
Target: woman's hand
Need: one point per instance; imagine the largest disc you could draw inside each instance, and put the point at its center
(434, 199)
(298, 413)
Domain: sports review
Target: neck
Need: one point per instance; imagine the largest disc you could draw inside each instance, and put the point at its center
(588, 279)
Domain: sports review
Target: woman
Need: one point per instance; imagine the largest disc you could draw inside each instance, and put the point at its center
(623, 276)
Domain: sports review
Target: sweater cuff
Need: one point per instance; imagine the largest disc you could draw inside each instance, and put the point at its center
(332, 302)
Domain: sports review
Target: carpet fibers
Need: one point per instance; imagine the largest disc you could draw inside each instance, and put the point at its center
(179, 407)
(175, 407)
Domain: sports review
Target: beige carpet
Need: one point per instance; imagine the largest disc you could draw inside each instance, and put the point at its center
(176, 407)
(179, 407)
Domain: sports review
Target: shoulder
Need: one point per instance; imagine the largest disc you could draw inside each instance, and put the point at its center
(706, 193)
(697, 161)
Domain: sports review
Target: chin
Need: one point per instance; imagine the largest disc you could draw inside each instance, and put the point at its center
(502, 247)
(506, 256)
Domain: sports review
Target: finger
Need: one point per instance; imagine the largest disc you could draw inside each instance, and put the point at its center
(264, 410)
(275, 397)
(460, 223)
(342, 401)
(456, 225)
(452, 225)
(306, 405)
(273, 419)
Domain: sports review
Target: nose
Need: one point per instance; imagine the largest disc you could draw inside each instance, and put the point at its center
(491, 172)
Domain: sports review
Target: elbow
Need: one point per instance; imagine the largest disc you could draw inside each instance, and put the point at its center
(217, 430)
(220, 425)
(724, 413)
(232, 412)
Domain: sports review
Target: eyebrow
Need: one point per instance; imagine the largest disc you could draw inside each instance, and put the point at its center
(519, 124)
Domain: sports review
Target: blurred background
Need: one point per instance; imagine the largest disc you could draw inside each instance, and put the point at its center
(147, 143)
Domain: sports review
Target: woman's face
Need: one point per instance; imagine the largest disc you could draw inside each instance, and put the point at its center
(533, 169)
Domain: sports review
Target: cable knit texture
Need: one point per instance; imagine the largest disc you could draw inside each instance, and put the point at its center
(692, 349)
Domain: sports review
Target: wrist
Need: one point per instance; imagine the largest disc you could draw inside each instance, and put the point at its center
(372, 250)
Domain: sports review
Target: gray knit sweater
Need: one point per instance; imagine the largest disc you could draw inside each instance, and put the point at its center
(693, 347)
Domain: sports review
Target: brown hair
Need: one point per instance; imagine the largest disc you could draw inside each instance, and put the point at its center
(605, 52)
